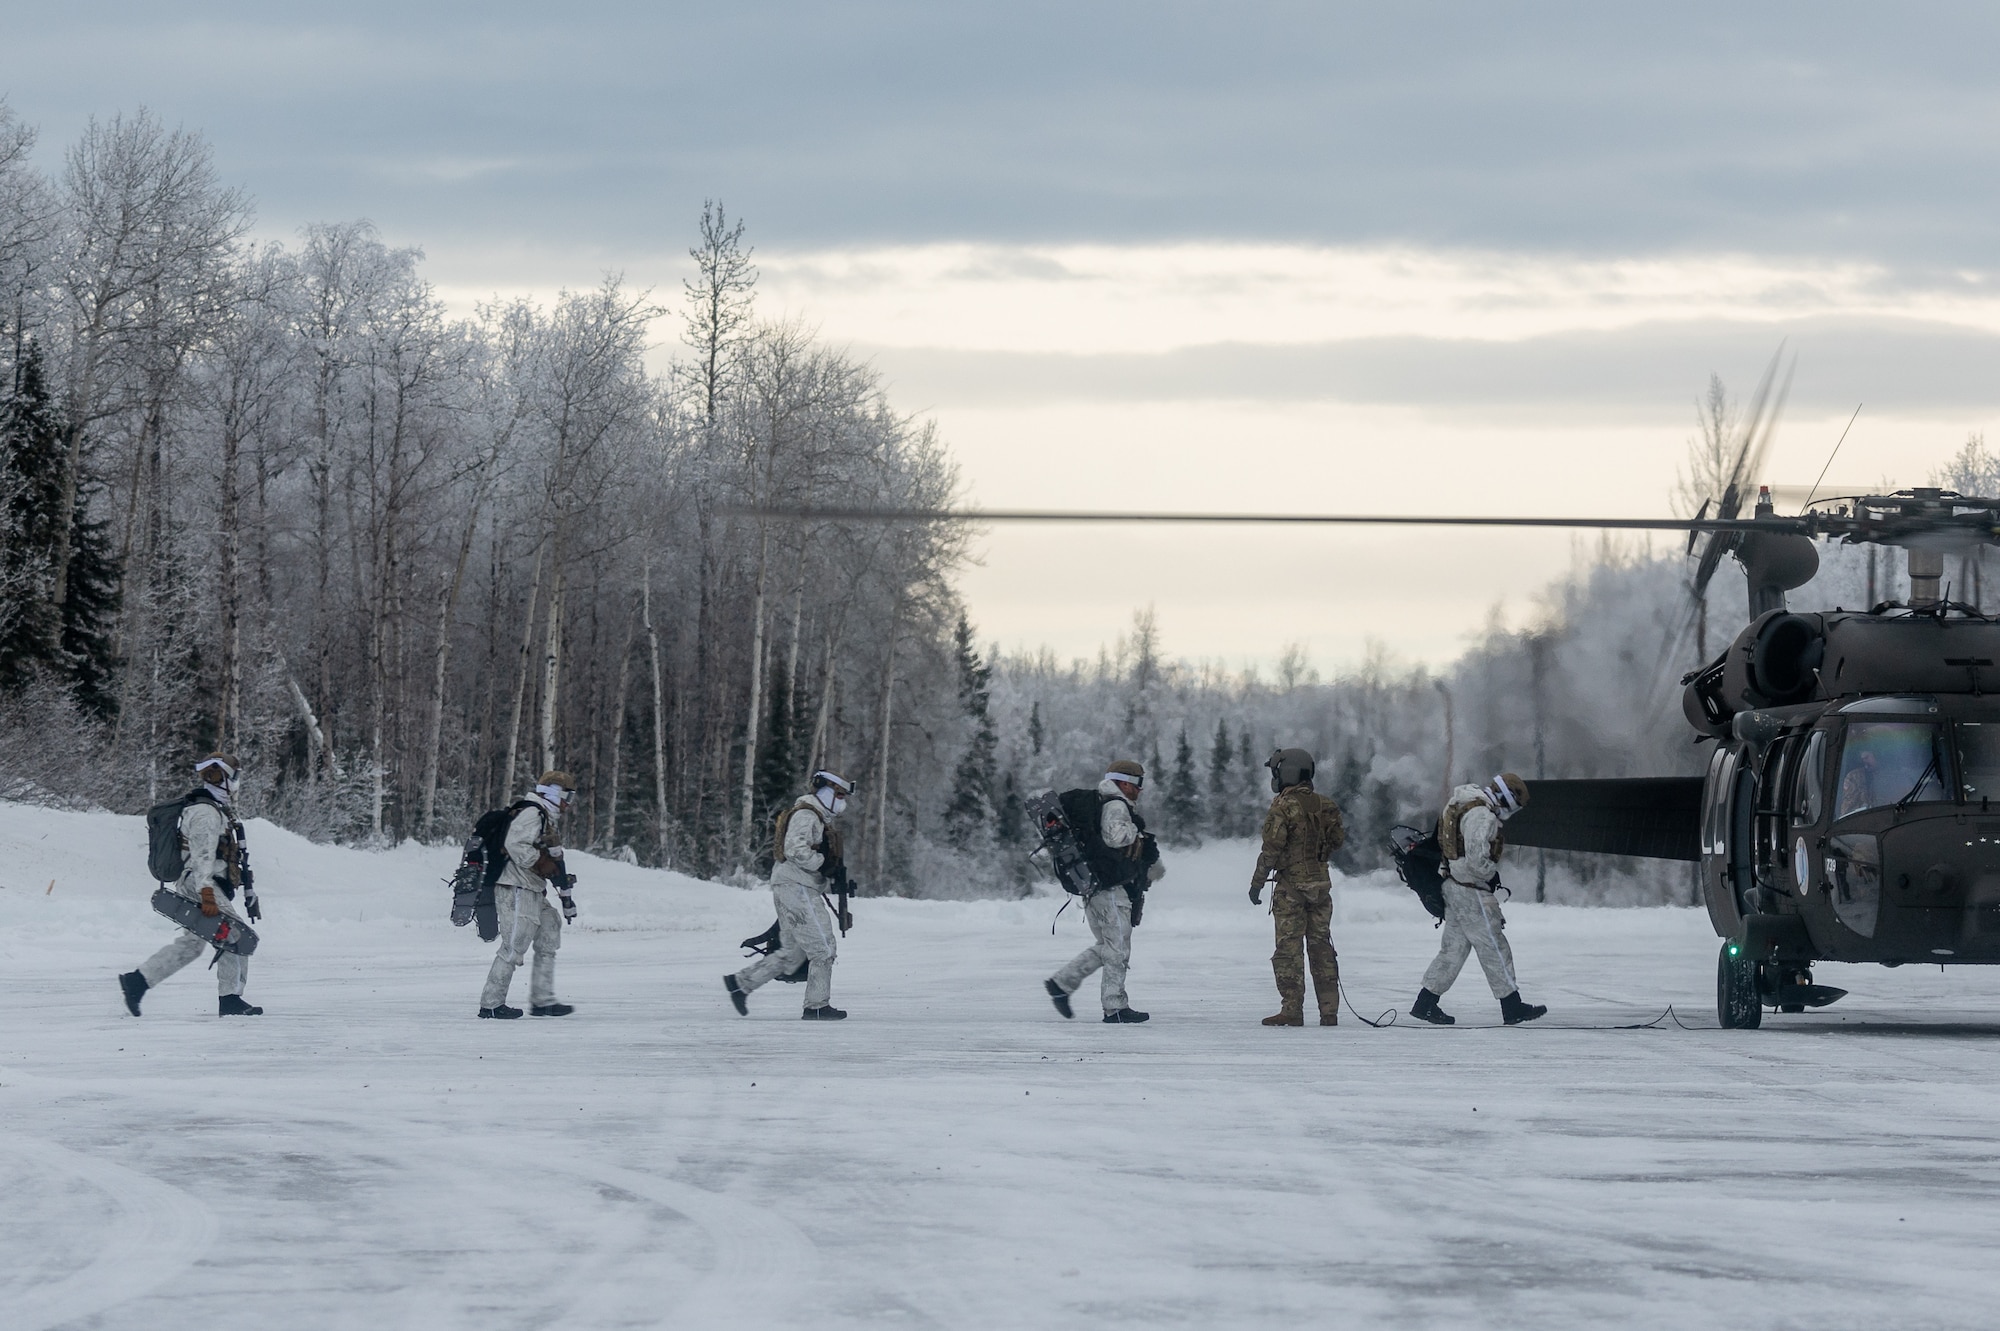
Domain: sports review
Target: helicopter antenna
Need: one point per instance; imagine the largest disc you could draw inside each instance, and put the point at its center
(1831, 456)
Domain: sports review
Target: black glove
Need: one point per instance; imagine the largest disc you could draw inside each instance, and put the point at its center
(250, 905)
(1256, 894)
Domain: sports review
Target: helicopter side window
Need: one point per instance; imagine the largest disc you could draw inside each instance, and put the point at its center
(1979, 759)
(1809, 785)
(1889, 762)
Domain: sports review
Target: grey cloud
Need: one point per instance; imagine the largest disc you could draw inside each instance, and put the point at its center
(1784, 128)
(1899, 366)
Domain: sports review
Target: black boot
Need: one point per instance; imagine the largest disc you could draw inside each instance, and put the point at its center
(550, 1010)
(1426, 1009)
(1056, 996)
(1125, 1016)
(502, 1013)
(736, 995)
(232, 1005)
(134, 985)
(825, 1012)
(1513, 1011)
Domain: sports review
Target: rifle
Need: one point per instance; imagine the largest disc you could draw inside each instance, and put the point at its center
(249, 879)
(843, 888)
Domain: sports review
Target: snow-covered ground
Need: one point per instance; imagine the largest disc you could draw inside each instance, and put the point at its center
(369, 1155)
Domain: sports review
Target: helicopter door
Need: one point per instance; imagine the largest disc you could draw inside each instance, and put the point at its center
(1724, 868)
(1773, 870)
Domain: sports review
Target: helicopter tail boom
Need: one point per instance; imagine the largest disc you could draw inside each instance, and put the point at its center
(1654, 817)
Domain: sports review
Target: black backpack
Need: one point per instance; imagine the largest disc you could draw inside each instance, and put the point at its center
(166, 857)
(479, 870)
(1420, 864)
(1068, 852)
(491, 834)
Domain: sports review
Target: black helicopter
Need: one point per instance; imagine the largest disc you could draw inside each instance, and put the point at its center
(1847, 809)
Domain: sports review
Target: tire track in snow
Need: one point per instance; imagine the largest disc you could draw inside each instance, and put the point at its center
(761, 1258)
(159, 1232)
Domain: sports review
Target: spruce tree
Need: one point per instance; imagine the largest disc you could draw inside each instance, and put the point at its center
(1222, 820)
(32, 528)
(1183, 803)
(775, 765)
(1035, 727)
(971, 811)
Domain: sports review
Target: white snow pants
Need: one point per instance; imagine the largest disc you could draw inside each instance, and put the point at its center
(231, 971)
(526, 919)
(1109, 912)
(1472, 923)
(806, 932)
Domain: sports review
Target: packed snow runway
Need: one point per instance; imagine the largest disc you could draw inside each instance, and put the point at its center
(370, 1155)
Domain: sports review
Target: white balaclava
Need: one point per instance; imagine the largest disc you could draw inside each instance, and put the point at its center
(224, 791)
(831, 791)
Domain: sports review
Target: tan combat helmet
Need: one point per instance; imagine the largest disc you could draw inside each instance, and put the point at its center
(1509, 794)
(556, 786)
(1128, 773)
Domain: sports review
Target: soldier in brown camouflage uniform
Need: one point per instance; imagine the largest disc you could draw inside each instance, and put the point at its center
(1301, 832)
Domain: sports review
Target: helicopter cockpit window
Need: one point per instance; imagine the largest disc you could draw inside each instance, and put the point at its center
(1979, 759)
(1809, 786)
(1889, 762)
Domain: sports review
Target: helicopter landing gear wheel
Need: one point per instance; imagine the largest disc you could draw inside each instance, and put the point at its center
(1737, 1006)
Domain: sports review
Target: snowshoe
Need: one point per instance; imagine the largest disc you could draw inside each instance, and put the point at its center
(1125, 1016)
(1056, 996)
(501, 1013)
(134, 986)
(550, 1010)
(232, 1005)
(1426, 1009)
(223, 931)
(1514, 1011)
(736, 995)
(827, 1013)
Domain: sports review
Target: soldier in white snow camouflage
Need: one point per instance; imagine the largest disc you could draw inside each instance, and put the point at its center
(213, 877)
(806, 854)
(521, 900)
(1469, 836)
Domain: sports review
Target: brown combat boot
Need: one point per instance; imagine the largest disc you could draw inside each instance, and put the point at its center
(1330, 1018)
(1286, 1018)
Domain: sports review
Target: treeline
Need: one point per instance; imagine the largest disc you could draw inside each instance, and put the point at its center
(275, 499)
(1589, 688)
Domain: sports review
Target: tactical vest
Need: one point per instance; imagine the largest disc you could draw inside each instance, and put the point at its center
(1305, 858)
(829, 839)
(1451, 836)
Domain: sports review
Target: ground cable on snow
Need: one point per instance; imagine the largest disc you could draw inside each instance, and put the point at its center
(1389, 1016)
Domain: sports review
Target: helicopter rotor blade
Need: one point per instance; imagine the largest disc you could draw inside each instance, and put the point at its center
(817, 513)
(1752, 440)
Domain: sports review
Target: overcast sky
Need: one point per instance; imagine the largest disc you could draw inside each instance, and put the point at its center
(1461, 258)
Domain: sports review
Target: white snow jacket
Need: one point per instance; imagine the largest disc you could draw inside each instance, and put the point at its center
(202, 828)
(1479, 833)
(531, 831)
(803, 852)
(1115, 819)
